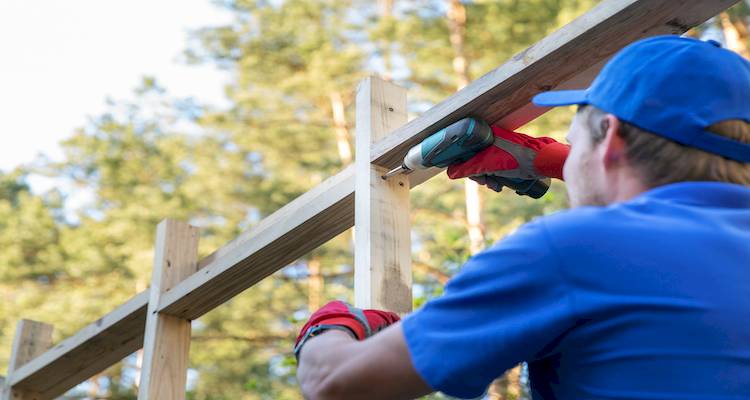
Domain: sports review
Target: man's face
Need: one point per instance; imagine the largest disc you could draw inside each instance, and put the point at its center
(584, 169)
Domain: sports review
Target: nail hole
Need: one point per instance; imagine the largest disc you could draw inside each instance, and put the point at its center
(390, 108)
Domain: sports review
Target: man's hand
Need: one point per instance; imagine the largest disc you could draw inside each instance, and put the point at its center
(337, 315)
(515, 156)
(336, 366)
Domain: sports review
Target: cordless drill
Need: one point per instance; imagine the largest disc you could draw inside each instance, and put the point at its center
(457, 143)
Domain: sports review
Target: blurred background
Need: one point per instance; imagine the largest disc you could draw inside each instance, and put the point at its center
(117, 114)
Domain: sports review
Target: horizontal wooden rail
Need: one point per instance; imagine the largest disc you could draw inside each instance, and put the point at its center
(570, 57)
(92, 349)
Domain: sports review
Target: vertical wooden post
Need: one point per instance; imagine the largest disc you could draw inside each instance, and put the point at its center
(166, 341)
(32, 339)
(382, 266)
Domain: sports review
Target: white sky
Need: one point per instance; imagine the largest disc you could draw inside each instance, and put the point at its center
(60, 60)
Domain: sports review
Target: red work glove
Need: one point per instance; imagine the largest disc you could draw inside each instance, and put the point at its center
(338, 315)
(516, 156)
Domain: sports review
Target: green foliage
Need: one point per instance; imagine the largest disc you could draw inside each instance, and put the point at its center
(68, 262)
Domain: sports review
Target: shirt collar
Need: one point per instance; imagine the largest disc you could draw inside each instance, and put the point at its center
(717, 194)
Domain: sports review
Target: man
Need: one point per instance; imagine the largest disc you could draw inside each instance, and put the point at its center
(641, 291)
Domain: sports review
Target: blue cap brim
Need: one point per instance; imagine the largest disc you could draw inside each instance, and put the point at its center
(560, 98)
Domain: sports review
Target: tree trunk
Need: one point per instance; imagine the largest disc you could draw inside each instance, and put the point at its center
(340, 127)
(740, 24)
(457, 29)
(507, 386)
(314, 284)
(138, 369)
(386, 7)
(735, 34)
(94, 386)
(140, 285)
(474, 216)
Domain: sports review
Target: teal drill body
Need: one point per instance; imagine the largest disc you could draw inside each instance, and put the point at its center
(453, 144)
(457, 143)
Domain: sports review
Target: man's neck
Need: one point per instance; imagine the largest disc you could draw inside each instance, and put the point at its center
(627, 185)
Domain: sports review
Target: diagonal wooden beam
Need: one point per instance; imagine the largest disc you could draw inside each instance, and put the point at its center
(565, 56)
(286, 235)
(569, 57)
(92, 349)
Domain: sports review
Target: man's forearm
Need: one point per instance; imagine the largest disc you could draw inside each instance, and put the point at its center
(335, 366)
(320, 364)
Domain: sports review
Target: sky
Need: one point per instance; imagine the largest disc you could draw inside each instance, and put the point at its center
(61, 60)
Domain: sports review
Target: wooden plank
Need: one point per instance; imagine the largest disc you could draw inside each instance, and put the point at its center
(558, 58)
(382, 254)
(91, 350)
(501, 96)
(32, 339)
(166, 343)
(291, 232)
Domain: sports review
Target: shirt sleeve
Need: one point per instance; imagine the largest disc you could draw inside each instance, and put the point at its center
(505, 306)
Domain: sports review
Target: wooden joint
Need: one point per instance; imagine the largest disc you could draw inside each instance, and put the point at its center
(166, 343)
(382, 267)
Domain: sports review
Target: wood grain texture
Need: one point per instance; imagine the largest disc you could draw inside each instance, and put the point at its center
(91, 350)
(565, 55)
(291, 232)
(382, 254)
(32, 339)
(166, 343)
(569, 58)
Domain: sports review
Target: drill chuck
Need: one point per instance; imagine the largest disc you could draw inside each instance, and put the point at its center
(454, 144)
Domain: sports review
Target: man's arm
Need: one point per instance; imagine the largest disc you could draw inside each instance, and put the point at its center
(335, 366)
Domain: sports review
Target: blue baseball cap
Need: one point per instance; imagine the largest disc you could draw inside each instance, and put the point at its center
(674, 87)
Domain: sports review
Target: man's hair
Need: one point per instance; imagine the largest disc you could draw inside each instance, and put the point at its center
(660, 161)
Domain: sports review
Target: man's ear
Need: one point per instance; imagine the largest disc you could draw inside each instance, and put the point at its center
(613, 144)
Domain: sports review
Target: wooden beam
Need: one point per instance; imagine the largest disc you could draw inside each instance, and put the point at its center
(502, 96)
(32, 339)
(166, 342)
(291, 232)
(91, 350)
(559, 57)
(382, 254)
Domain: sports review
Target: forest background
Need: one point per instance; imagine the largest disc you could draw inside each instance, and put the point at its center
(288, 124)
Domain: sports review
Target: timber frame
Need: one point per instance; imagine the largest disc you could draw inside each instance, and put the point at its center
(184, 288)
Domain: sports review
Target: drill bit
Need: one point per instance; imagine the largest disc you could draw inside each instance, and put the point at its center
(395, 171)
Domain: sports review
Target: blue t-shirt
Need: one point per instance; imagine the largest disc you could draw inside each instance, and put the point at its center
(645, 299)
